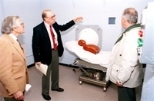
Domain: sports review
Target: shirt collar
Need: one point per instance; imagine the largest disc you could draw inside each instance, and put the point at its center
(13, 36)
(47, 25)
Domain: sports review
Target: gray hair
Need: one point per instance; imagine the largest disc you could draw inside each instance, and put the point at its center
(131, 15)
(8, 24)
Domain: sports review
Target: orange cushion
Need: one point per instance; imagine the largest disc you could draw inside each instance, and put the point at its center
(91, 48)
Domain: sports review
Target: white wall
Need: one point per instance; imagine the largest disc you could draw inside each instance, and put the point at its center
(29, 11)
(94, 12)
(1, 13)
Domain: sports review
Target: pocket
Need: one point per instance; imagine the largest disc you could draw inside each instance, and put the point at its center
(18, 75)
(115, 70)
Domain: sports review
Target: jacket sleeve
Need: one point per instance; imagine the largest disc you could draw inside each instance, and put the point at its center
(66, 26)
(129, 57)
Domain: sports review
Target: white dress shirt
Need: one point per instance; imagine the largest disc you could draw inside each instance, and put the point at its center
(48, 29)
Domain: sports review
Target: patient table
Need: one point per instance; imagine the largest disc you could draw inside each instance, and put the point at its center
(93, 66)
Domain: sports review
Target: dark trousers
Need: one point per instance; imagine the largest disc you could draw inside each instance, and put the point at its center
(53, 71)
(11, 99)
(126, 94)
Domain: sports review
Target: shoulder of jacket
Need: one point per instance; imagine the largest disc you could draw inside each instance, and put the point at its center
(134, 30)
(4, 41)
(55, 24)
(39, 25)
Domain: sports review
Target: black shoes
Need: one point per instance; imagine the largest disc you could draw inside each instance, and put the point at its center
(46, 97)
(58, 89)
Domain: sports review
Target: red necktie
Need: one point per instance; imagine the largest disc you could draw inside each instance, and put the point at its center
(53, 38)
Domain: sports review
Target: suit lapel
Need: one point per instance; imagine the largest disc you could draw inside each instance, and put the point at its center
(16, 46)
(45, 33)
(44, 29)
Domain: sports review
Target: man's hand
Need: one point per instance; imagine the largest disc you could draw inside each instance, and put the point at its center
(119, 84)
(38, 63)
(78, 19)
(18, 95)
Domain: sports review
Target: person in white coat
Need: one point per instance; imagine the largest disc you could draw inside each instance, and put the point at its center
(124, 68)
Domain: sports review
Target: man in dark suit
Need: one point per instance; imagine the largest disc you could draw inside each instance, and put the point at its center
(47, 48)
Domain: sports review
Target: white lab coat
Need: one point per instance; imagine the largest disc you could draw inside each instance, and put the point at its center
(124, 66)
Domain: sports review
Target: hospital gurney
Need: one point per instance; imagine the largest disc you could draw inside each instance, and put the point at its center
(93, 66)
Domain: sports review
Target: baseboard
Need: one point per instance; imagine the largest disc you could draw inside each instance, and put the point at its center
(31, 65)
(68, 65)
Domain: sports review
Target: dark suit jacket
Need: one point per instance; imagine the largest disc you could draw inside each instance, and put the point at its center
(41, 44)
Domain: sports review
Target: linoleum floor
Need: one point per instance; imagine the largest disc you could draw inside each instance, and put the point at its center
(73, 91)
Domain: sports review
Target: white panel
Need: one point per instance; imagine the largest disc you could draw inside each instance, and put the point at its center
(148, 40)
(147, 88)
